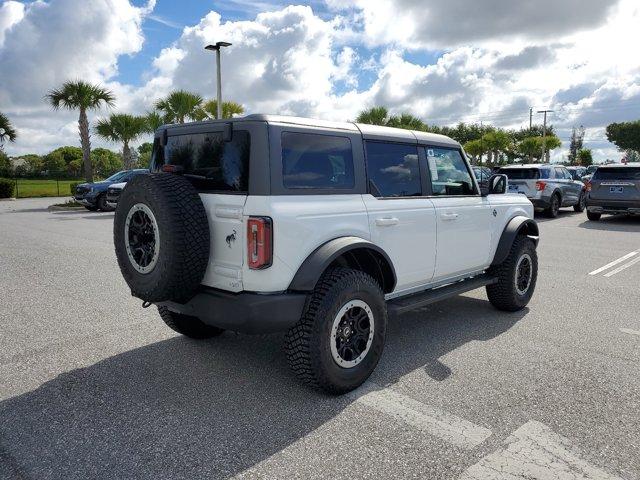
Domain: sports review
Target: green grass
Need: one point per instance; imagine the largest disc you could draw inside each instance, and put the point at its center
(43, 188)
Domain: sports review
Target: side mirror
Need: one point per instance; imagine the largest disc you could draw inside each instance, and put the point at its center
(497, 185)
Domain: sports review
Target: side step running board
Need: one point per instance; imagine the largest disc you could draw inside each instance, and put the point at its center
(404, 304)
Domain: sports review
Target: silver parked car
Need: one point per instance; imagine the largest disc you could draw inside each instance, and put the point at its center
(614, 189)
(549, 187)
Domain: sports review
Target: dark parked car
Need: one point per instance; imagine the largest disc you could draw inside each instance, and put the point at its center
(577, 172)
(482, 175)
(94, 195)
(614, 189)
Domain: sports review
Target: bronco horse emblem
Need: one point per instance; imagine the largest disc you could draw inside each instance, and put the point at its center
(231, 238)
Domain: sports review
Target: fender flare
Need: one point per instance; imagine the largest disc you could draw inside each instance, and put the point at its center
(519, 225)
(317, 262)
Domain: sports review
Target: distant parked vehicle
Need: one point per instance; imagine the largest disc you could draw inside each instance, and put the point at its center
(591, 169)
(549, 187)
(577, 172)
(94, 195)
(614, 189)
(113, 193)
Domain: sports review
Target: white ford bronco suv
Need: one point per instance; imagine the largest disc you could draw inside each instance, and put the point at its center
(317, 229)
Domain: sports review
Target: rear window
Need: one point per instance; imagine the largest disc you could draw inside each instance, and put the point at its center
(210, 163)
(618, 173)
(393, 170)
(316, 161)
(523, 173)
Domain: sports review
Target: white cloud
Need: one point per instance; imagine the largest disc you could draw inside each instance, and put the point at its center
(10, 13)
(293, 61)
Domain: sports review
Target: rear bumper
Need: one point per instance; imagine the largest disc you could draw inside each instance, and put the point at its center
(245, 312)
(540, 202)
(613, 206)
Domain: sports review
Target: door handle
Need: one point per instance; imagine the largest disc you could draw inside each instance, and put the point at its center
(387, 221)
(449, 216)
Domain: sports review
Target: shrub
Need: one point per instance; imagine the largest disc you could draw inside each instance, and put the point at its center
(72, 187)
(6, 188)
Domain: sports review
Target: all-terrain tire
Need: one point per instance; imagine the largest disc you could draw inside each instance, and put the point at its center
(593, 216)
(504, 294)
(554, 208)
(308, 343)
(581, 205)
(189, 326)
(184, 238)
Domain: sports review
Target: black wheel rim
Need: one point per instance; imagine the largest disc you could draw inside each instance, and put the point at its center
(142, 238)
(555, 206)
(524, 274)
(352, 333)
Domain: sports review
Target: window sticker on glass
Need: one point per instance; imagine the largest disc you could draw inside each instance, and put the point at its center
(433, 167)
(430, 153)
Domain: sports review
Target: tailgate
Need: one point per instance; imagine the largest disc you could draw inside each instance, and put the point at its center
(616, 183)
(227, 231)
(526, 187)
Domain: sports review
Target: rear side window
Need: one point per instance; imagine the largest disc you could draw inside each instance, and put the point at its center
(617, 173)
(449, 172)
(523, 173)
(316, 161)
(210, 163)
(393, 170)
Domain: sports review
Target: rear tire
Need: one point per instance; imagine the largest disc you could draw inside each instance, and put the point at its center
(512, 293)
(581, 205)
(188, 326)
(593, 216)
(340, 338)
(554, 207)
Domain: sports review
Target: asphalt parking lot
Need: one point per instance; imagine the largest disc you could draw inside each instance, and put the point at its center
(94, 386)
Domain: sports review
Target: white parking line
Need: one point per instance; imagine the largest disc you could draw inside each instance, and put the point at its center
(431, 420)
(615, 262)
(630, 331)
(623, 267)
(534, 451)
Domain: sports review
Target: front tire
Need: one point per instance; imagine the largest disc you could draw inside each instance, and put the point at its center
(188, 326)
(581, 205)
(339, 340)
(91, 209)
(554, 207)
(101, 204)
(593, 216)
(517, 277)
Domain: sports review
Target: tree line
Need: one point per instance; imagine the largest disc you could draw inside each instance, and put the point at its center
(488, 143)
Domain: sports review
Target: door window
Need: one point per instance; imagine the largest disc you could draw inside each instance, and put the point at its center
(449, 172)
(316, 161)
(393, 170)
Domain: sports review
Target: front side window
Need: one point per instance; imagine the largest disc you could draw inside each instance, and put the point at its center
(449, 172)
(393, 170)
(210, 163)
(317, 161)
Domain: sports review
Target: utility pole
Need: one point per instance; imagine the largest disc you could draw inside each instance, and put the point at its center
(544, 134)
(530, 119)
(217, 48)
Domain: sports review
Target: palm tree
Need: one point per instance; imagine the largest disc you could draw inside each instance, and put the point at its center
(125, 128)
(154, 121)
(407, 121)
(83, 96)
(7, 132)
(374, 116)
(180, 105)
(229, 109)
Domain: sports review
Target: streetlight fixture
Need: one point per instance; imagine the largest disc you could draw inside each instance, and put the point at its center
(217, 47)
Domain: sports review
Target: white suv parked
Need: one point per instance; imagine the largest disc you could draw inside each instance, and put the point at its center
(319, 229)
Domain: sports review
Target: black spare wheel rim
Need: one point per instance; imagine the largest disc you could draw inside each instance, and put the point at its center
(524, 274)
(142, 238)
(161, 236)
(352, 333)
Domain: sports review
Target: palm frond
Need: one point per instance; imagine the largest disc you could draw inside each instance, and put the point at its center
(7, 131)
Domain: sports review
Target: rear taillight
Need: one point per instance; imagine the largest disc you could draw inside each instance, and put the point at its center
(260, 242)
(587, 186)
(540, 185)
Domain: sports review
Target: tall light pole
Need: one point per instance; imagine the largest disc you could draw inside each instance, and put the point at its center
(544, 134)
(217, 48)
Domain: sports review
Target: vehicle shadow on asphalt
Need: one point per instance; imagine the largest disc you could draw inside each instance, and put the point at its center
(540, 217)
(180, 408)
(616, 223)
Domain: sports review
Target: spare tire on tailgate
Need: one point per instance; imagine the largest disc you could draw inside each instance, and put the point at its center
(161, 235)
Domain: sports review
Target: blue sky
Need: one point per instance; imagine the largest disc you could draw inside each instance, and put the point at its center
(445, 62)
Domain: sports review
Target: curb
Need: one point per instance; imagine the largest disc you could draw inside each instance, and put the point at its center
(12, 199)
(56, 208)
